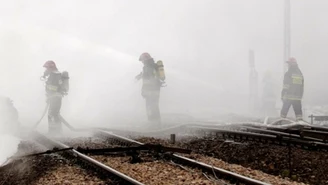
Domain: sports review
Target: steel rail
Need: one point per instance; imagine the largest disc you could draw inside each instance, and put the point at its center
(219, 171)
(276, 139)
(319, 128)
(106, 135)
(316, 134)
(73, 153)
(285, 130)
(277, 135)
(193, 163)
(224, 131)
(170, 130)
(265, 131)
(283, 134)
(307, 133)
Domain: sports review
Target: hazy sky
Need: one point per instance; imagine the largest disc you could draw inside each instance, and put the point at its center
(204, 45)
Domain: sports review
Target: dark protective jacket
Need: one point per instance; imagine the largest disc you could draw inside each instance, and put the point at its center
(150, 79)
(53, 83)
(293, 84)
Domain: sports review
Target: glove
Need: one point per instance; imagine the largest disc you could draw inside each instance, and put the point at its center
(43, 78)
(163, 83)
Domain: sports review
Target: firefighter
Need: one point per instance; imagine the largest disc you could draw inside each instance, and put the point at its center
(153, 77)
(293, 89)
(55, 90)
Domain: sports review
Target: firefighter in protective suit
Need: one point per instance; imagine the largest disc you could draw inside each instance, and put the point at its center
(293, 89)
(153, 77)
(55, 90)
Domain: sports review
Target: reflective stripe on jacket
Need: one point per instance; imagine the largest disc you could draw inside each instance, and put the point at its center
(293, 84)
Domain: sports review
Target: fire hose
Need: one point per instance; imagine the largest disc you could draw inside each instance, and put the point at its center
(61, 119)
(43, 114)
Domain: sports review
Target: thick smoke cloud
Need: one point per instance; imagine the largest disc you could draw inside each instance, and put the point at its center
(204, 46)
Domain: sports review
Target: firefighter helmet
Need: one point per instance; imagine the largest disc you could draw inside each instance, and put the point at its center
(292, 60)
(50, 65)
(144, 57)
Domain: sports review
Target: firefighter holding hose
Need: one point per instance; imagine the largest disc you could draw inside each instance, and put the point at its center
(56, 88)
(153, 77)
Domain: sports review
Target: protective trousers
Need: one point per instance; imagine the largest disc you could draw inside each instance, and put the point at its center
(297, 106)
(54, 121)
(152, 104)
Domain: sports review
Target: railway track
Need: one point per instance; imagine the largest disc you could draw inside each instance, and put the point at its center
(303, 137)
(176, 168)
(300, 135)
(86, 161)
(30, 165)
(171, 161)
(113, 168)
(298, 152)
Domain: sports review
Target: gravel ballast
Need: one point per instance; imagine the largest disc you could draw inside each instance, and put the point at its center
(248, 172)
(270, 159)
(45, 169)
(158, 172)
(150, 170)
(66, 174)
(306, 166)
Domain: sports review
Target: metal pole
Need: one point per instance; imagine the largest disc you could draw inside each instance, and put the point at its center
(253, 83)
(172, 139)
(286, 34)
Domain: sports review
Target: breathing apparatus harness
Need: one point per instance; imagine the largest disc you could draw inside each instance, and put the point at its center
(159, 73)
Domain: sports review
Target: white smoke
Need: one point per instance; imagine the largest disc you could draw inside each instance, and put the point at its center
(8, 147)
